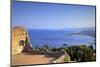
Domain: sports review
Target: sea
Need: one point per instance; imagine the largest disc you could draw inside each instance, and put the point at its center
(57, 38)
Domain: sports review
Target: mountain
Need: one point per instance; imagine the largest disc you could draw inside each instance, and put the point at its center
(91, 33)
(87, 32)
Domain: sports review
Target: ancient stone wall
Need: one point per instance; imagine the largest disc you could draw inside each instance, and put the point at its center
(60, 57)
(19, 35)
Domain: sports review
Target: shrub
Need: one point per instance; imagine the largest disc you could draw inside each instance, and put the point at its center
(67, 59)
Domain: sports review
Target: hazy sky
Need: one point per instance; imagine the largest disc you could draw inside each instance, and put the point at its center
(52, 16)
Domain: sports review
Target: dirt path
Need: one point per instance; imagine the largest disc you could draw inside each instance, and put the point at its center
(25, 59)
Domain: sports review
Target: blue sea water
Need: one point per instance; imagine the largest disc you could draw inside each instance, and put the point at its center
(56, 38)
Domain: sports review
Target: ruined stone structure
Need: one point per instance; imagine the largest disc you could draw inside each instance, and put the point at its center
(60, 57)
(21, 43)
(20, 40)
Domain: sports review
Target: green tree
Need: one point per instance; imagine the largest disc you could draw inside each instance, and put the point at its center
(91, 47)
(80, 53)
(87, 53)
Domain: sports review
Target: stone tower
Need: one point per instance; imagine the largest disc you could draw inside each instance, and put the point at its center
(19, 36)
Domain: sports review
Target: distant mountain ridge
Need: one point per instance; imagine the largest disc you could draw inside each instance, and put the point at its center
(89, 32)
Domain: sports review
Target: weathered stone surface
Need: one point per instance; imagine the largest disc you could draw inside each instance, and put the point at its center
(60, 56)
(19, 35)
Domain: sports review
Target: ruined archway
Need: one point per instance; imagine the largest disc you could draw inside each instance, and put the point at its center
(21, 43)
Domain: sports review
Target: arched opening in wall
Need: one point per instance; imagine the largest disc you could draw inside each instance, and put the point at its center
(21, 43)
